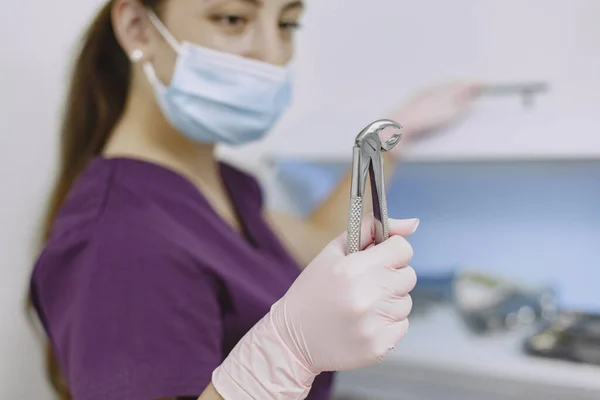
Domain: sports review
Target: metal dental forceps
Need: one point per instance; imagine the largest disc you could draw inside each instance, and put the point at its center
(367, 160)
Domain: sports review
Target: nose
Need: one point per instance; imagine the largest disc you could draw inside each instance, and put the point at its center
(266, 45)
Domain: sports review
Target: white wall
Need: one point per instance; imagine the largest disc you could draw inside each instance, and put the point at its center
(429, 40)
(35, 39)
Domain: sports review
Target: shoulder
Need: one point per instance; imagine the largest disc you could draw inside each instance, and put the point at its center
(117, 280)
(116, 257)
(113, 298)
(114, 233)
(122, 202)
(101, 189)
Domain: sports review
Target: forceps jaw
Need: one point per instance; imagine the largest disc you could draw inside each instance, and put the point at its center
(367, 151)
(373, 130)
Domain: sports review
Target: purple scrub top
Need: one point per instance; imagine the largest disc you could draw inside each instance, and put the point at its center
(143, 289)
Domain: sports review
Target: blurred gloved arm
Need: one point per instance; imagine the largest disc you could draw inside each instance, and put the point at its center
(424, 113)
(433, 109)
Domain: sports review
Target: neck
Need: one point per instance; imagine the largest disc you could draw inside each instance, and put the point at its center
(143, 133)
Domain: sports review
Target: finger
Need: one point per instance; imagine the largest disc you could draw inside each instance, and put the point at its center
(390, 337)
(394, 253)
(367, 231)
(476, 88)
(395, 308)
(396, 227)
(401, 227)
(397, 331)
(471, 91)
(400, 281)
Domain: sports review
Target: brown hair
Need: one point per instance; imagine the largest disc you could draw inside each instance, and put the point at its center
(94, 104)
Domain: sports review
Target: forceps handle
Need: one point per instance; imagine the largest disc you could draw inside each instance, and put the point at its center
(354, 223)
(355, 213)
(383, 217)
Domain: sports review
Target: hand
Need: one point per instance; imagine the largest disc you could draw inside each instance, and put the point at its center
(343, 312)
(346, 312)
(435, 108)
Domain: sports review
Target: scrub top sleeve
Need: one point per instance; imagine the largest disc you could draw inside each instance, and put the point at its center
(129, 316)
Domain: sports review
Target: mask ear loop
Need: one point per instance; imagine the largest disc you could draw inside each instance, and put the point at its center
(164, 32)
(135, 57)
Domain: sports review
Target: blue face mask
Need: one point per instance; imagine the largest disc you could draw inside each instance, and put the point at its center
(216, 97)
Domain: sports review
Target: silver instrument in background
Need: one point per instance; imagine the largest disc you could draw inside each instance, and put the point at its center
(367, 160)
(526, 90)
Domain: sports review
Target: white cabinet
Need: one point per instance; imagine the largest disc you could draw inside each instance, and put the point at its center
(492, 132)
(357, 61)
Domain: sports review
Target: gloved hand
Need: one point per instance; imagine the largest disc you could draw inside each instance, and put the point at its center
(432, 110)
(342, 312)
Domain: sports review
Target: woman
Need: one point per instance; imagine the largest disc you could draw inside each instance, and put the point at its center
(161, 276)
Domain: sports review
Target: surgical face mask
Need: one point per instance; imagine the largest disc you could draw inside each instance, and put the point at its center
(216, 97)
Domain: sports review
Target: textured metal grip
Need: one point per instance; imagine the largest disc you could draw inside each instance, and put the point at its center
(354, 223)
(384, 214)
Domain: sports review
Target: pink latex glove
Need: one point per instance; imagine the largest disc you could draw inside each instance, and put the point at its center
(342, 312)
(431, 110)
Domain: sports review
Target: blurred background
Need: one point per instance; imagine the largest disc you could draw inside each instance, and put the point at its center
(509, 200)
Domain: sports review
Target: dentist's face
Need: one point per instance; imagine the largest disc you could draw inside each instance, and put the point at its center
(259, 29)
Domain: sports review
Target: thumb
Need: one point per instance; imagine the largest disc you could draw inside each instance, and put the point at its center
(403, 227)
(396, 227)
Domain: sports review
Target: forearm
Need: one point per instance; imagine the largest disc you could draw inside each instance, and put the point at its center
(210, 393)
(262, 366)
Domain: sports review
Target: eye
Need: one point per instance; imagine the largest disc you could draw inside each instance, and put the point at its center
(230, 21)
(289, 26)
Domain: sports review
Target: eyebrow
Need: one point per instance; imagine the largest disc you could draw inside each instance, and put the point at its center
(289, 6)
(293, 5)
